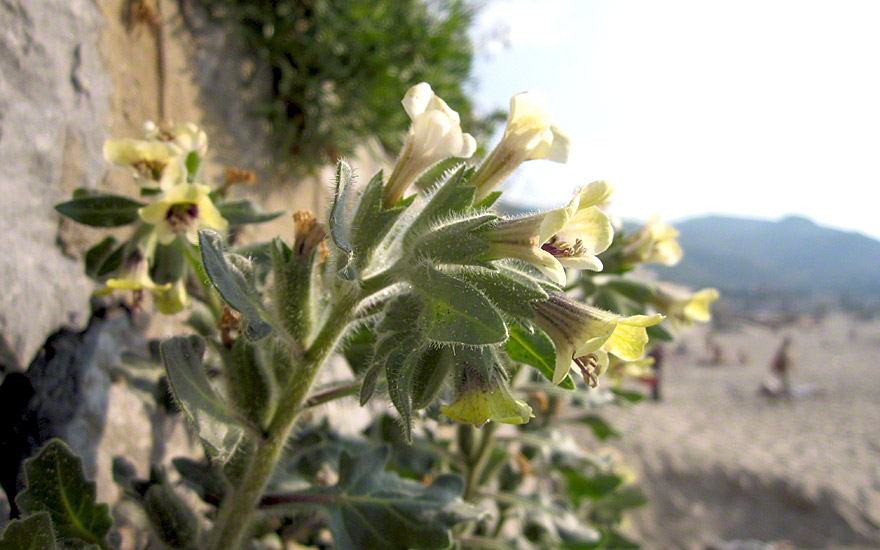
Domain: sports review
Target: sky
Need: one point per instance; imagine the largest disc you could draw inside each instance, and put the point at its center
(759, 109)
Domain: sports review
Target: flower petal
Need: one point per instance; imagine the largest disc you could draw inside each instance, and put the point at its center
(629, 338)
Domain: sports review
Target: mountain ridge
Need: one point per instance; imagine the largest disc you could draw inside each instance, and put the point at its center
(790, 255)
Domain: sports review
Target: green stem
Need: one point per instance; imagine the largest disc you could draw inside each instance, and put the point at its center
(331, 394)
(237, 508)
(476, 465)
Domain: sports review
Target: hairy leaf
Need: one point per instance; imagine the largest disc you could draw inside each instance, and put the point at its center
(233, 285)
(31, 533)
(203, 478)
(371, 509)
(211, 416)
(430, 374)
(57, 484)
(509, 289)
(452, 242)
(452, 197)
(339, 229)
(536, 349)
(243, 212)
(101, 210)
(250, 383)
(371, 222)
(455, 311)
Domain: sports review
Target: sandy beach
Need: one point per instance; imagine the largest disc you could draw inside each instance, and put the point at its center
(722, 463)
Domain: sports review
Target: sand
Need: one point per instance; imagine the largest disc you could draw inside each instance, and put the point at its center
(722, 463)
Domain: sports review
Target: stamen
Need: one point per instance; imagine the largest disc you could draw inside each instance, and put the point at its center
(589, 366)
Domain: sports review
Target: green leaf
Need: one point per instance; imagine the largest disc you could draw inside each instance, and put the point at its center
(250, 384)
(429, 376)
(509, 289)
(98, 255)
(339, 229)
(452, 242)
(233, 285)
(627, 396)
(489, 201)
(590, 487)
(357, 348)
(660, 334)
(245, 212)
(609, 510)
(211, 416)
(173, 520)
(455, 311)
(452, 197)
(31, 533)
(634, 290)
(371, 509)
(439, 172)
(203, 478)
(601, 428)
(536, 349)
(57, 484)
(371, 222)
(101, 210)
(399, 354)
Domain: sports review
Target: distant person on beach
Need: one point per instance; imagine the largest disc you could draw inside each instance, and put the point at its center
(780, 368)
(657, 353)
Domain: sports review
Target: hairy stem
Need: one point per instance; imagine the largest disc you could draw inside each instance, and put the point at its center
(237, 508)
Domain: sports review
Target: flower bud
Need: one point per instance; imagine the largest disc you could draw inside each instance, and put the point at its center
(530, 135)
(435, 134)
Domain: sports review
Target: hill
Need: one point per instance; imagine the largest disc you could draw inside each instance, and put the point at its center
(790, 256)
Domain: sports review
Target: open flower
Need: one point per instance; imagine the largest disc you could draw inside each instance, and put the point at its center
(478, 401)
(654, 242)
(630, 336)
(183, 209)
(570, 236)
(578, 331)
(683, 307)
(187, 136)
(585, 335)
(435, 134)
(530, 135)
(154, 163)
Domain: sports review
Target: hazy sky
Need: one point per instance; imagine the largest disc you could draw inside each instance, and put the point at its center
(760, 109)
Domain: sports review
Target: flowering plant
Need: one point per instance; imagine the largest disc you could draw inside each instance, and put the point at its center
(455, 312)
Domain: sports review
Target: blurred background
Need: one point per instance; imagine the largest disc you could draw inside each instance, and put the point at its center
(753, 127)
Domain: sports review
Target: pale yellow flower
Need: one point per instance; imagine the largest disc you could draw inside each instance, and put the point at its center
(183, 209)
(478, 401)
(585, 335)
(171, 298)
(435, 134)
(683, 307)
(154, 163)
(654, 242)
(570, 236)
(530, 134)
(187, 136)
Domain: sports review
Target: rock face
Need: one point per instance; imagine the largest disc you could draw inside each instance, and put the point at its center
(64, 394)
(53, 106)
